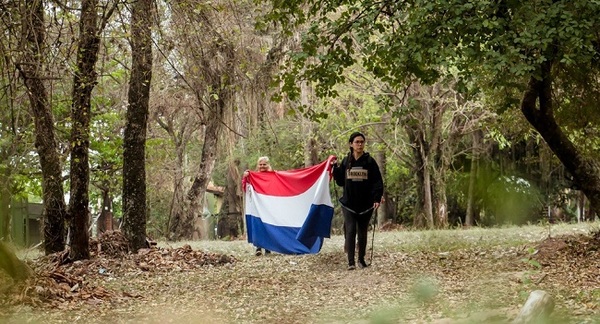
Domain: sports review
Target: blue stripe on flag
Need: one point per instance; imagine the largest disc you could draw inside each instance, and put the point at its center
(317, 225)
(280, 239)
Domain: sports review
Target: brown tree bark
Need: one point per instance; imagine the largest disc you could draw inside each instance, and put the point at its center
(537, 107)
(423, 207)
(83, 84)
(12, 265)
(231, 211)
(439, 161)
(310, 146)
(383, 212)
(134, 143)
(470, 217)
(105, 221)
(5, 195)
(30, 70)
(195, 196)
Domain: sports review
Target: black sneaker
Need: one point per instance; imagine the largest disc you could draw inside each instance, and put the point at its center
(362, 264)
(258, 252)
(351, 267)
(267, 252)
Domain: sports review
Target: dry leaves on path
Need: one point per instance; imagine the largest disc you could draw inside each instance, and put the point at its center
(187, 285)
(66, 285)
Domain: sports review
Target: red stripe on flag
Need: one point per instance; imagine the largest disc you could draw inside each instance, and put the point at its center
(286, 183)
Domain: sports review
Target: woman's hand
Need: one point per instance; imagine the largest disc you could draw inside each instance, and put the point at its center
(377, 204)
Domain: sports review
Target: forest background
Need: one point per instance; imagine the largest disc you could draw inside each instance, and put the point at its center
(478, 114)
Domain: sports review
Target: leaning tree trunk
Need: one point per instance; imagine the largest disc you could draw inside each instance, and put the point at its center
(216, 63)
(585, 171)
(12, 265)
(196, 193)
(30, 69)
(188, 223)
(83, 84)
(134, 143)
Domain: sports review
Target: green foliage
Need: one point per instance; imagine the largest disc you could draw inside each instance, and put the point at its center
(497, 44)
(510, 199)
(488, 47)
(531, 261)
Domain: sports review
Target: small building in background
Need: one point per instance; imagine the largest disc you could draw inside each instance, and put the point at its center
(26, 223)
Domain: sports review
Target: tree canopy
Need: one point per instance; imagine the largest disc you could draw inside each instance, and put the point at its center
(543, 54)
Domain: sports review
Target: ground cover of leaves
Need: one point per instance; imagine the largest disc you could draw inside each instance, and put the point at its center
(457, 276)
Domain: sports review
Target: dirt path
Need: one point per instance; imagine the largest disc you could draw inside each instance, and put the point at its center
(445, 283)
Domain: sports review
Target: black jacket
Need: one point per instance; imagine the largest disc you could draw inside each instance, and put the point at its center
(362, 182)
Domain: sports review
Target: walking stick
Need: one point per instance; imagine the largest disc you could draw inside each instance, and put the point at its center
(373, 237)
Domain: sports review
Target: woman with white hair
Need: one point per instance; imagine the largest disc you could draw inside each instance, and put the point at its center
(262, 165)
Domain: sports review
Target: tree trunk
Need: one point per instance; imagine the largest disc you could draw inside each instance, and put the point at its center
(310, 146)
(218, 74)
(383, 210)
(424, 201)
(196, 193)
(431, 137)
(177, 201)
(134, 143)
(428, 200)
(470, 217)
(106, 220)
(231, 211)
(30, 70)
(5, 196)
(441, 150)
(181, 127)
(310, 151)
(581, 207)
(13, 266)
(83, 84)
(585, 171)
(188, 224)
(440, 201)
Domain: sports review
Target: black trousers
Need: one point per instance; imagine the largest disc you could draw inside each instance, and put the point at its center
(356, 225)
